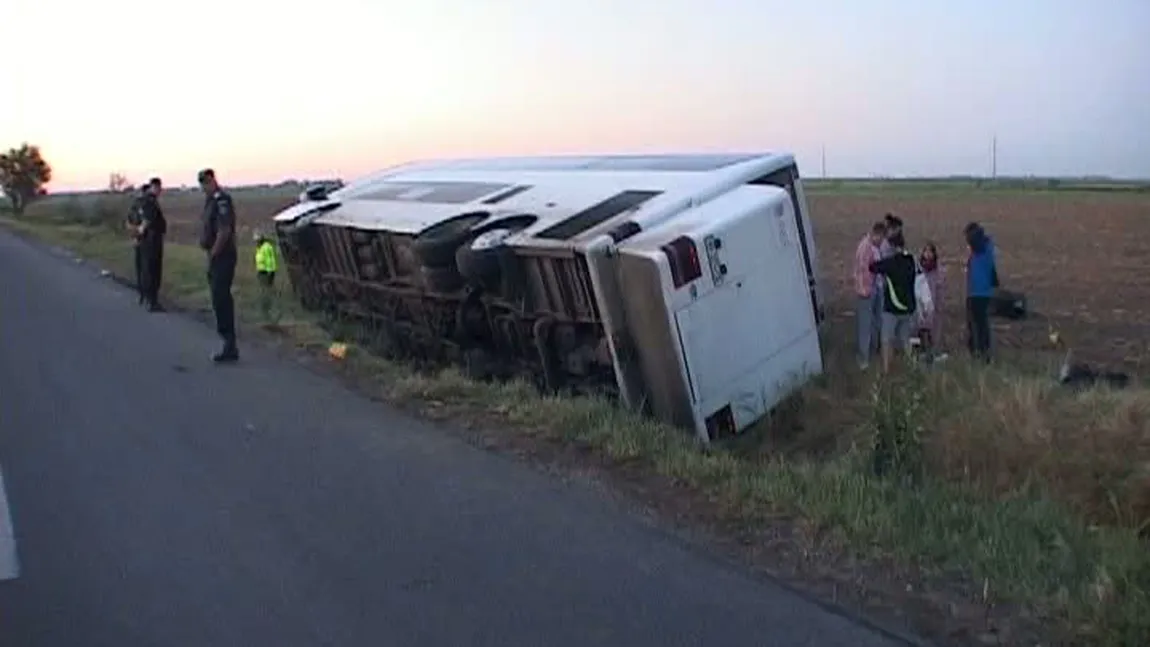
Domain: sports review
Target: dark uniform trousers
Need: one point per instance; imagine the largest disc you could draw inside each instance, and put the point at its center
(139, 260)
(978, 327)
(221, 273)
(151, 259)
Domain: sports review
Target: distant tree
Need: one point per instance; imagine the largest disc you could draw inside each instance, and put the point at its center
(118, 183)
(23, 174)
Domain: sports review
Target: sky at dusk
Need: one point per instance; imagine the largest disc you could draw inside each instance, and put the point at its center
(264, 91)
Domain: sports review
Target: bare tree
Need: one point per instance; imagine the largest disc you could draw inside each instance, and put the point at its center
(118, 183)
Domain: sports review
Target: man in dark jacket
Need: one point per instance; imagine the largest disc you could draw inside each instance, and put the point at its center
(899, 302)
(218, 239)
(133, 226)
(153, 227)
(981, 282)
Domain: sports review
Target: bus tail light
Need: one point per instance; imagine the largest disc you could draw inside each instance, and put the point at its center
(684, 259)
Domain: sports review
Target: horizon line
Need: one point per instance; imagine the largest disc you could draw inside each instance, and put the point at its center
(806, 179)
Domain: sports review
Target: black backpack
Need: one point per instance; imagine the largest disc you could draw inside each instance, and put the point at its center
(1009, 304)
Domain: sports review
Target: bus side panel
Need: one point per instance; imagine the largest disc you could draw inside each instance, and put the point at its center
(654, 340)
(812, 248)
(787, 178)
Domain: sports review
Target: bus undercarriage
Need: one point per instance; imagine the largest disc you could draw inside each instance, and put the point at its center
(455, 294)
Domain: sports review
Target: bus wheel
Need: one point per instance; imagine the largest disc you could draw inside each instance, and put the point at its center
(435, 246)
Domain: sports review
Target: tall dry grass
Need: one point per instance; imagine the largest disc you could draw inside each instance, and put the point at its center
(1008, 433)
(1005, 430)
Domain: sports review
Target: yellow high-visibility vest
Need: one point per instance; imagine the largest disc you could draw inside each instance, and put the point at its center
(266, 257)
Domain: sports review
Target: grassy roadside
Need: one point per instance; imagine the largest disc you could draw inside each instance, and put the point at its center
(1052, 537)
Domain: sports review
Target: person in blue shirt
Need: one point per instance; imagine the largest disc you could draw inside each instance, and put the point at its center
(981, 283)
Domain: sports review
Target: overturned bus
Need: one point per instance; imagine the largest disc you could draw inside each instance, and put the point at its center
(685, 285)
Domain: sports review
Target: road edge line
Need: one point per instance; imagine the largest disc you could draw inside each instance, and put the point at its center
(9, 561)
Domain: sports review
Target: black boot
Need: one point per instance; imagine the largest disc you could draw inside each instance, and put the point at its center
(228, 354)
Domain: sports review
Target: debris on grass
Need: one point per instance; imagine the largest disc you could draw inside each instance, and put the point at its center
(337, 351)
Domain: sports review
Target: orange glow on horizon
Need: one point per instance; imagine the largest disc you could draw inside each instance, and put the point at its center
(381, 82)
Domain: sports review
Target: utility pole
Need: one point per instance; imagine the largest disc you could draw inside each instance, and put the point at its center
(824, 160)
(994, 157)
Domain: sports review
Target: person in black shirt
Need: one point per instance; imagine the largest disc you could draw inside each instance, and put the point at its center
(898, 277)
(133, 225)
(153, 228)
(218, 239)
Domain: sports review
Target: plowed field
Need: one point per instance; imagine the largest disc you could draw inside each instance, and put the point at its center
(1082, 258)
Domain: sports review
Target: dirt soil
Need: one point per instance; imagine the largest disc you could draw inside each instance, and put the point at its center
(1080, 258)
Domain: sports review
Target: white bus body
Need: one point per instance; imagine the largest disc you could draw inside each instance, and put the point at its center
(685, 284)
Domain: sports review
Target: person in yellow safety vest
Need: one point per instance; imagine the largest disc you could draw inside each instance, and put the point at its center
(266, 266)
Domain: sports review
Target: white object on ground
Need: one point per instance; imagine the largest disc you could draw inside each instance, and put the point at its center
(9, 564)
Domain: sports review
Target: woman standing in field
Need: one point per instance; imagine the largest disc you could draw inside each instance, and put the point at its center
(868, 293)
(930, 322)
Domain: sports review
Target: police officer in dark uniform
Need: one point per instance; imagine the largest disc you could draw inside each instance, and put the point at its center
(218, 239)
(134, 220)
(153, 228)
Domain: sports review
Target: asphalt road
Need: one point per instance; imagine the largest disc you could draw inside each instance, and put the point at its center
(157, 500)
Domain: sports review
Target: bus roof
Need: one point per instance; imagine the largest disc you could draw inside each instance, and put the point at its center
(571, 195)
